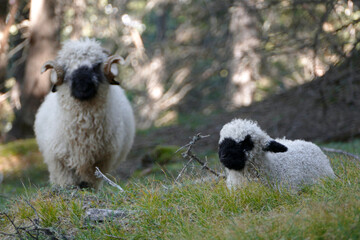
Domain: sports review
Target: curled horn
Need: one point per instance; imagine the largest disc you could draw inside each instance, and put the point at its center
(57, 75)
(111, 70)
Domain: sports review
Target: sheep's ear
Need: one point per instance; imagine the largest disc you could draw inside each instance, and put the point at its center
(56, 75)
(275, 147)
(110, 68)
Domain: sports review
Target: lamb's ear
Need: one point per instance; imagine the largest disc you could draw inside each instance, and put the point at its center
(247, 144)
(275, 147)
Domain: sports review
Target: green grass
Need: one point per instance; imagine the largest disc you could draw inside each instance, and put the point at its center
(23, 169)
(201, 210)
(20, 147)
(352, 146)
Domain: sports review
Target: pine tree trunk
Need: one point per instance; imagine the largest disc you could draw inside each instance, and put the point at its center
(245, 60)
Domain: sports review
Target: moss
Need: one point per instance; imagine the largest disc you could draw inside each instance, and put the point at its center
(19, 147)
(163, 154)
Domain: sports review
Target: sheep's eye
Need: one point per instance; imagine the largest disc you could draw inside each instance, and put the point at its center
(96, 67)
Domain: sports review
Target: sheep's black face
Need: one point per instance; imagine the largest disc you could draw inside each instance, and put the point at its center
(85, 82)
(233, 154)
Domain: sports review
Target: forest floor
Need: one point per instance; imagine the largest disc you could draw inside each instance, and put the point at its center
(156, 206)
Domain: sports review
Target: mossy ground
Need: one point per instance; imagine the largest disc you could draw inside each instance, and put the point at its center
(191, 209)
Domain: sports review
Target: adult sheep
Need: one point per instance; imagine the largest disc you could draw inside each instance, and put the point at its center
(86, 121)
(248, 153)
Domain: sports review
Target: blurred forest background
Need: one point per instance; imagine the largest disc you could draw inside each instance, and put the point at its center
(193, 65)
(190, 67)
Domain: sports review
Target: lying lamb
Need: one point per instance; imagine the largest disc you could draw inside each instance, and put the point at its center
(248, 153)
(86, 121)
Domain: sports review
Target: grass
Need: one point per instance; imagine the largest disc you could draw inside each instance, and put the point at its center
(163, 209)
(22, 167)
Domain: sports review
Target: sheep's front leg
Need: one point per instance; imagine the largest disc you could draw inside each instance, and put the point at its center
(86, 174)
(61, 174)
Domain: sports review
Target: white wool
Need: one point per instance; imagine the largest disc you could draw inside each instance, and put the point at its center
(77, 136)
(235, 179)
(85, 52)
(237, 130)
(303, 162)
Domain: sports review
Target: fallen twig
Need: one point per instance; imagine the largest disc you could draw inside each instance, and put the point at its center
(7, 234)
(112, 236)
(333, 150)
(188, 154)
(99, 174)
(33, 231)
(183, 170)
(13, 224)
(37, 228)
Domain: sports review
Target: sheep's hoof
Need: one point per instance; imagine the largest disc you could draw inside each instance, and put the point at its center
(83, 185)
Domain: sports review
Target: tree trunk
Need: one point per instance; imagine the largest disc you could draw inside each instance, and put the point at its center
(3, 57)
(244, 66)
(162, 17)
(6, 20)
(79, 7)
(44, 41)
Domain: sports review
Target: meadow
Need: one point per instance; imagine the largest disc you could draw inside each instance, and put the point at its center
(156, 206)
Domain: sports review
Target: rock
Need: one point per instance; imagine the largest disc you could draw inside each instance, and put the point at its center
(99, 215)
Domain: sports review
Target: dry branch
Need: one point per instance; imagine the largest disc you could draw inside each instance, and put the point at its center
(332, 150)
(33, 231)
(99, 174)
(188, 154)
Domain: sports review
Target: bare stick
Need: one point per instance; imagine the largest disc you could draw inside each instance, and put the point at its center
(28, 203)
(332, 150)
(99, 174)
(13, 224)
(7, 234)
(33, 228)
(36, 227)
(183, 170)
(192, 157)
(112, 236)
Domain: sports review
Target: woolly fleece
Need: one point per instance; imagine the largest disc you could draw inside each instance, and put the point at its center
(303, 163)
(77, 136)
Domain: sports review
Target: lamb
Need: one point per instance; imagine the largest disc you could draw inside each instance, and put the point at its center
(248, 153)
(86, 120)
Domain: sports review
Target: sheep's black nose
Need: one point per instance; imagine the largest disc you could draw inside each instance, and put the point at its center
(84, 83)
(232, 154)
(83, 185)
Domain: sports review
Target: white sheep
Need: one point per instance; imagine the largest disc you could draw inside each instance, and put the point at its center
(248, 153)
(86, 121)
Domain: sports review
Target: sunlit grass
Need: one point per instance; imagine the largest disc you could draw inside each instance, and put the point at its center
(163, 209)
(22, 167)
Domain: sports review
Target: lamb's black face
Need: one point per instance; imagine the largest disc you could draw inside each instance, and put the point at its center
(84, 82)
(232, 154)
